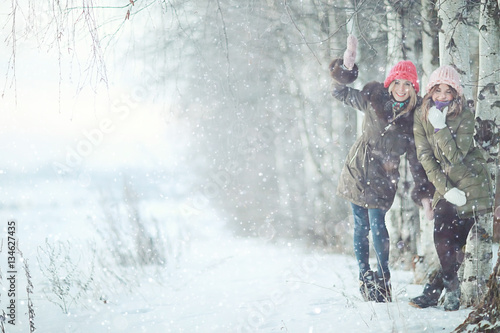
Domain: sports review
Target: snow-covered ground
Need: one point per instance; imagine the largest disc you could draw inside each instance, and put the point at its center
(213, 281)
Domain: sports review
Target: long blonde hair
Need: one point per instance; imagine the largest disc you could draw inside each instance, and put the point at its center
(454, 109)
(413, 97)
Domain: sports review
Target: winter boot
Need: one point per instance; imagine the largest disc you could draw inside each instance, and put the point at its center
(452, 295)
(430, 295)
(383, 288)
(367, 285)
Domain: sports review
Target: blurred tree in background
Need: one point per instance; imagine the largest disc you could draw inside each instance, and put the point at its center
(251, 79)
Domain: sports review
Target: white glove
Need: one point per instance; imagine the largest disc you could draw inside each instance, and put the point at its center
(350, 52)
(456, 197)
(437, 117)
(429, 213)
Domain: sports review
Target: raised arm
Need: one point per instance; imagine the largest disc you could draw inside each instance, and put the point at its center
(341, 77)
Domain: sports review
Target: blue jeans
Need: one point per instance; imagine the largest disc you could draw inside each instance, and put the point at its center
(364, 220)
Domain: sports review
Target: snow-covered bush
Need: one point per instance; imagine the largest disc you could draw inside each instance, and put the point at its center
(129, 238)
(69, 274)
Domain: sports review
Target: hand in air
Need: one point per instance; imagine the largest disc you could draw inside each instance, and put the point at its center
(437, 117)
(350, 52)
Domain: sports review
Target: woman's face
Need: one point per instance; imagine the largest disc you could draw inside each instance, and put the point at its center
(442, 93)
(401, 90)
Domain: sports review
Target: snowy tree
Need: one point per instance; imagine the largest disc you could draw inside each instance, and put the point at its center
(454, 39)
(426, 262)
(403, 217)
(485, 317)
(324, 127)
(430, 40)
(252, 80)
(477, 264)
(455, 50)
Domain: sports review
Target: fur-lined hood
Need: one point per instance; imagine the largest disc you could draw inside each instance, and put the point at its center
(341, 74)
(378, 96)
(381, 101)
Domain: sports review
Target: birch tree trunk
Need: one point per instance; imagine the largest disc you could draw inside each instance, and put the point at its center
(488, 107)
(394, 54)
(454, 39)
(402, 218)
(477, 264)
(430, 41)
(426, 261)
(395, 37)
(323, 123)
(344, 132)
(454, 50)
(341, 133)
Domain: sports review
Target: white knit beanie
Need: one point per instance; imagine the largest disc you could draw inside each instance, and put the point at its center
(445, 74)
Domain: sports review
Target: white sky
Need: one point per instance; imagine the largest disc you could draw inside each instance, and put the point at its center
(42, 121)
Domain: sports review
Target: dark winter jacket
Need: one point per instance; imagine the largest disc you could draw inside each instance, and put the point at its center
(451, 160)
(370, 175)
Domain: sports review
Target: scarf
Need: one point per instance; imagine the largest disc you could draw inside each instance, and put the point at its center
(441, 105)
(393, 107)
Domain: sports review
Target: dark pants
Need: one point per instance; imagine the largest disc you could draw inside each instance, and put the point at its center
(364, 220)
(450, 237)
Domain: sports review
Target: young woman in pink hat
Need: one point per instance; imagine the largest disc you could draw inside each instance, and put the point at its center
(444, 129)
(370, 175)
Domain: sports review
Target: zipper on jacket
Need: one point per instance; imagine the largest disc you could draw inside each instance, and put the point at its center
(354, 156)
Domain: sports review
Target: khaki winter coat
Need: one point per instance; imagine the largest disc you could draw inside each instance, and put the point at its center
(370, 174)
(451, 159)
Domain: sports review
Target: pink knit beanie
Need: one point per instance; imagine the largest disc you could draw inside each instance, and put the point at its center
(445, 74)
(403, 70)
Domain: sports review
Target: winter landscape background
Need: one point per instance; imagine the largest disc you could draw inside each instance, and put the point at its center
(212, 281)
(170, 166)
